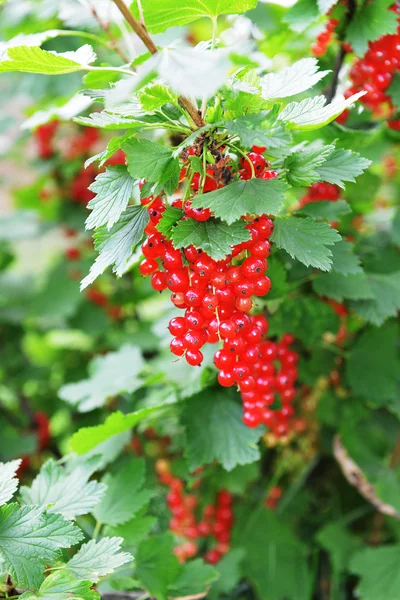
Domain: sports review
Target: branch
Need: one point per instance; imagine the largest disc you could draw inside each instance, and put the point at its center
(108, 33)
(152, 48)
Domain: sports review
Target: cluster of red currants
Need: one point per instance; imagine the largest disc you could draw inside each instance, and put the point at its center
(321, 191)
(323, 40)
(44, 137)
(216, 521)
(374, 73)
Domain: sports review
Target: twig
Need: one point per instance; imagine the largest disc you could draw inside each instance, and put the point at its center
(152, 48)
(331, 93)
(107, 31)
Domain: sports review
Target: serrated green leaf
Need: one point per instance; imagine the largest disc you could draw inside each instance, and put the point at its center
(32, 59)
(30, 538)
(168, 220)
(97, 559)
(342, 165)
(115, 247)
(313, 113)
(59, 586)
(213, 236)
(106, 120)
(255, 196)
(87, 438)
(371, 22)
(156, 565)
(156, 95)
(68, 493)
(306, 240)
(339, 287)
(215, 431)
(153, 162)
(114, 189)
(345, 261)
(386, 298)
(259, 129)
(301, 165)
(372, 366)
(325, 209)
(113, 145)
(301, 15)
(8, 481)
(195, 578)
(125, 495)
(299, 77)
(160, 16)
(378, 569)
(112, 374)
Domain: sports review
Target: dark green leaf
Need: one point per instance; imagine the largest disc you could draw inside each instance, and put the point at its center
(386, 298)
(345, 261)
(325, 209)
(370, 22)
(301, 165)
(156, 565)
(339, 287)
(342, 165)
(378, 569)
(153, 162)
(195, 578)
(168, 220)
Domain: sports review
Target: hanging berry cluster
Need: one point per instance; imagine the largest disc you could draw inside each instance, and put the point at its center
(217, 297)
(320, 191)
(208, 528)
(324, 39)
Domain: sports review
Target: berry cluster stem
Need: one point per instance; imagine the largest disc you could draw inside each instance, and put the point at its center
(152, 48)
(341, 55)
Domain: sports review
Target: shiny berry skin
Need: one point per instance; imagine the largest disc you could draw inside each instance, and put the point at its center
(178, 326)
(178, 281)
(258, 162)
(194, 320)
(178, 346)
(223, 360)
(159, 281)
(226, 378)
(252, 268)
(194, 358)
(148, 266)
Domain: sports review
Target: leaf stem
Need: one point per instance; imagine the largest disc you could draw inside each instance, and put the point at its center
(152, 48)
(97, 529)
(253, 173)
(106, 28)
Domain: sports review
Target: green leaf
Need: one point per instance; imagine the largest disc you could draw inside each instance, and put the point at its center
(115, 247)
(306, 240)
(313, 113)
(299, 77)
(229, 569)
(339, 287)
(30, 538)
(342, 165)
(59, 586)
(370, 22)
(340, 544)
(32, 59)
(156, 95)
(125, 495)
(378, 569)
(394, 91)
(68, 493)
(106, 120)
(160, 16)
(156, 565)
(215, 431)
(196, 577)
(87, 438)
(8, 481)
(114, 189)
(325, 5)
(113, 145)
(112, 374)
(386, 300)
(255, 196)
(78, 103)
(133, 531)
(260, 130)
(153, 162)
(168, 220)
(372, 366)
(302, 164)
(396, 228)
(97, 559)
(301, 15)
(275, 560)
(345, 261)
(325, 209)
(278, 276)
(213, 236)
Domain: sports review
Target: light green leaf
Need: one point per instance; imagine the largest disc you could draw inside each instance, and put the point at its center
(325, 209)
(215, 431)
(156, 565)
(306, 240)
(301, 15)
(255, 196)
(133, 531)
(213, 236)
(87, 438)
(301, 165)
(78, 103)
(115, 247)
(113, 145)
(125, 495)
(325, 5)
(68, 493)
(97, 559)
(59, 586)
(299, 77)
(379, 571)
(156, 95)
(112, 374)
(195, 578)
(30, 538)
(153, 162)
(106, 120)
(339, 287)
(8, 481)
(32, 59)
(260, 130)
(386, 298)
(114, 189)
(342, 165)
(159, 16)
(313, 113)
(370, 22)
